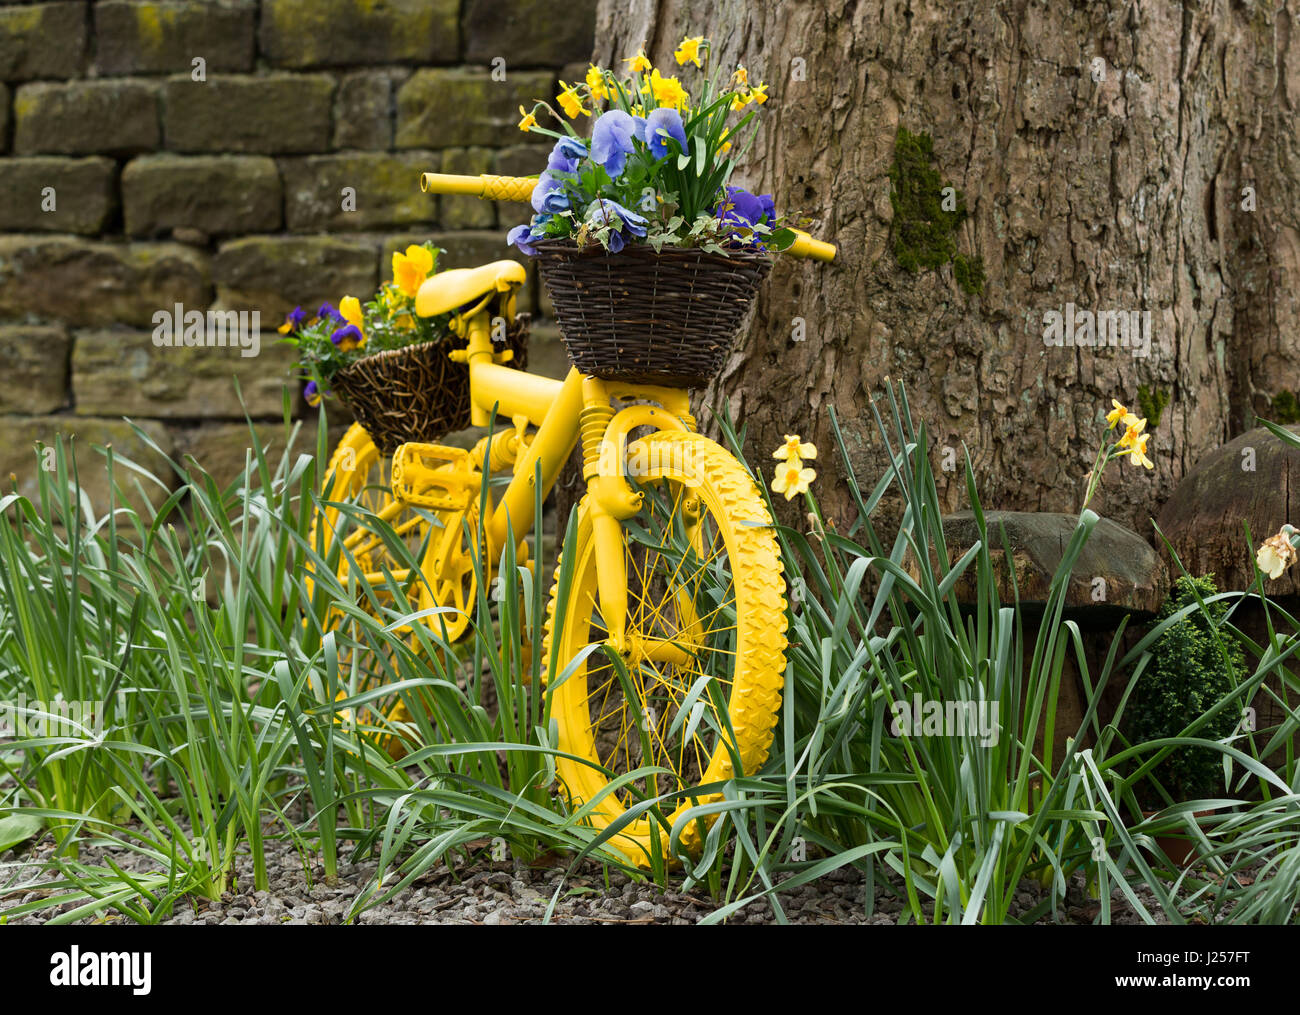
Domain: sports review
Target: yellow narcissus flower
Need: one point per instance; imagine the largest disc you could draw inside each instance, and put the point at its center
(739, 101)
(638, 62)
(1138, 452)
(411, 269)
(689, 51)
(528, 122)
(791, 479)
(793, 450)
(570, 102)
(1134, 428)
(741, 77)
(1119, 414)
(726, 145)
(668, 92)
(759, 93)
(1276, 554)
(596, 82)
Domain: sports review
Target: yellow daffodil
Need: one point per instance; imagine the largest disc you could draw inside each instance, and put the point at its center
(1134, 428)
(639, 62)
(759, 93)
(668, 92)
(726, 145)
(741, 77)
(689, 51)
(1119, 414)
(596, 82)
(570, 101)
(528, 122)
(792, 480)
(1138, 452)
(739, 101)
(793, 449)
(411, 269)
(1276, 554)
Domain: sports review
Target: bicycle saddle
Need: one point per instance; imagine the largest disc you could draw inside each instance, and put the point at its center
(447, 290)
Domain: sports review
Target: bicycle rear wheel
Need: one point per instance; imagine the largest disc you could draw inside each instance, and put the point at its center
(699, 689)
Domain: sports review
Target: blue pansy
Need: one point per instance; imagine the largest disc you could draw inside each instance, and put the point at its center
(520, 235)
(326, 312)
(669, 122)
(603, 211)
(611, 140)
(548, 195)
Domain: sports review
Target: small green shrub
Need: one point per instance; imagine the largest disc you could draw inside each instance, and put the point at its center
(1193, 668)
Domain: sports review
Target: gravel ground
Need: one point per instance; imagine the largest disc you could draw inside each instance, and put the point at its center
(502, 893)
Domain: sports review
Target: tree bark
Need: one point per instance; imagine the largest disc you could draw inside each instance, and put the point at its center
(1117, 185)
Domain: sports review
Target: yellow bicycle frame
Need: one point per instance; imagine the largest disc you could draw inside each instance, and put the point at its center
(563, 411)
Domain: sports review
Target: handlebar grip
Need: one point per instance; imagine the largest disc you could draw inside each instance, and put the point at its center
(489, 188)
(805, 246)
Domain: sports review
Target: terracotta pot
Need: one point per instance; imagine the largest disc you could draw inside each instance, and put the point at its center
(1180, 849)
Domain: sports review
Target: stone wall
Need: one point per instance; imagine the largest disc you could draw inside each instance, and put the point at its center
(201, 152)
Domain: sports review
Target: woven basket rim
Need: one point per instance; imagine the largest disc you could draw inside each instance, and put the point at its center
(566, 248)
(391, 354)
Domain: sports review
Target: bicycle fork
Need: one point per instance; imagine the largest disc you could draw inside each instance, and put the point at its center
(604, 434)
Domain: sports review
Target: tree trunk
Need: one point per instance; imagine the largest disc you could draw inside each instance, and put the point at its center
(1104, 150)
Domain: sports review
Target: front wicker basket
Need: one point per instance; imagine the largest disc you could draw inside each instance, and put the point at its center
(416, 393)
(650, 318)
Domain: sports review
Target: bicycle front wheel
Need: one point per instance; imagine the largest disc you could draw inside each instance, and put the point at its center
(699, 686)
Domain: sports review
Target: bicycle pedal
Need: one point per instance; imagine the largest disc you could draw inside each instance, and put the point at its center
(435, 476)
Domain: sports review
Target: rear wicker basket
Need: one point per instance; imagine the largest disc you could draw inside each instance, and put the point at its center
(416, 393)
(651, 318)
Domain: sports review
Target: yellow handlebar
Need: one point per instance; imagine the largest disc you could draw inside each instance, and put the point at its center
(805, 246)
(489, 188)
(520, 188)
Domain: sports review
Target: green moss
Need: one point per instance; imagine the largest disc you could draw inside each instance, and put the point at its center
(924, 230)
(1152, 404)
(1286, 408)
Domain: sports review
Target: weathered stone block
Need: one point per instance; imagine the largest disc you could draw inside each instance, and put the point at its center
(128, 373)
(276, 274)
(84, 440)
(34, 364)
(546, 355)
(354, 192)
(92, 283)
(221, 449)
(363, 111)
(215, 194)
(528, 33)
(467, 212)
(275, 113)
(466, 249)
(4, 118)
(167, 36)
(450, 108)
(42, 41)
(337, 33)
(109, 117)
(54, 194)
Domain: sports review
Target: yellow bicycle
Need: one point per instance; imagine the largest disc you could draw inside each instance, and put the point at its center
(668, 652)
